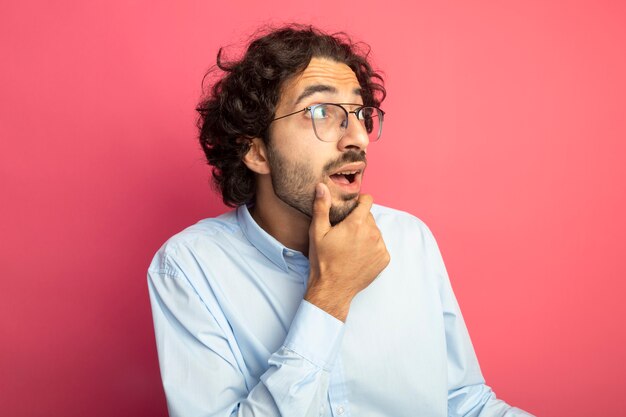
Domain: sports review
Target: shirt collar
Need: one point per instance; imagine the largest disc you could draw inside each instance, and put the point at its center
(264, 242)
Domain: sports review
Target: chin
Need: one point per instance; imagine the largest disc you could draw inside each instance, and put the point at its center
(338, 212)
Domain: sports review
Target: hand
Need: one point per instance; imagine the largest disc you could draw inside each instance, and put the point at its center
(345, 258)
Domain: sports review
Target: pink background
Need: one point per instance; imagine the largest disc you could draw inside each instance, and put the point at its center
(505, 133)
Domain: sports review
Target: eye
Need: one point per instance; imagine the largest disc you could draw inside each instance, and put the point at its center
(366, 113)
(319, 112)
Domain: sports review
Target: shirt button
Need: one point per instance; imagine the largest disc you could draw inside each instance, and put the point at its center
(290, 254)
(340, 410)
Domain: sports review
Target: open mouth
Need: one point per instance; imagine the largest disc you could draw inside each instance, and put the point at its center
(347, 177)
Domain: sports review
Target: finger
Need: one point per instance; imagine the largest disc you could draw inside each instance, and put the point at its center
(364, 206)
(320, 223)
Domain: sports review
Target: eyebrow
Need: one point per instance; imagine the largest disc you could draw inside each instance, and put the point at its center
(321, 88)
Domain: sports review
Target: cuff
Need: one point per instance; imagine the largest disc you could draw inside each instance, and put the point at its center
(315, 335)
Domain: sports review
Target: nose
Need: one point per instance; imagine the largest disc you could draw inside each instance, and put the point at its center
(355, 137)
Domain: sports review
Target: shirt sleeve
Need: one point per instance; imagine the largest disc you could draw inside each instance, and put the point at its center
(200, 364)
(468, 395)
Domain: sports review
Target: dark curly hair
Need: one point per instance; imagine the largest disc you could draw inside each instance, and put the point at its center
(240, 105)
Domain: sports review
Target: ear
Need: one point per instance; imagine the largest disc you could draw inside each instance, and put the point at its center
(256, 157)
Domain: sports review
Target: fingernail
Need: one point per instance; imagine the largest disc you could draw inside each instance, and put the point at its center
(319, 190)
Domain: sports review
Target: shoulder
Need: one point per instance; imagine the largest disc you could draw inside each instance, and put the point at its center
(407, 236)
(209, 235)
(404, 231)
(398, 220)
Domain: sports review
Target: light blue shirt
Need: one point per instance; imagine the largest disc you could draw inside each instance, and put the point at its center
(236, 338)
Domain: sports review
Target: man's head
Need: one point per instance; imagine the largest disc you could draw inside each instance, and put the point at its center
(281, 73)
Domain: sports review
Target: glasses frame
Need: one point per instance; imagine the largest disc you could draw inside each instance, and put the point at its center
(356, 112)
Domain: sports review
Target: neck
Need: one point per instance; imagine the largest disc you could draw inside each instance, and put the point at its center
(286, 224)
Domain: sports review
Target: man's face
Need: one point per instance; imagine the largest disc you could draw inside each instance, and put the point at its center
(299, 160)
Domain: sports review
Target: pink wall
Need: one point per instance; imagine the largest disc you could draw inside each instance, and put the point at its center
(505, 133)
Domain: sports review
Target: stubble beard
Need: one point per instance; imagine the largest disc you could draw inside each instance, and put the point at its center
(294, 184)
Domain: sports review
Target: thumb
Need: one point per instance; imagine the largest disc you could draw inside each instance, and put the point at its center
(320, 222)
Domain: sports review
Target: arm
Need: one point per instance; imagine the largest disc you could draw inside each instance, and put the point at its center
(468, 396)
(202, 367)
(200, 361)
(340, 271)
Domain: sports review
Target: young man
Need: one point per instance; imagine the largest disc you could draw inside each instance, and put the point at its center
(307, 300)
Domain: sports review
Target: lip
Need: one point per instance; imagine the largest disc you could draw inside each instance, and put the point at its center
(355, 186)
(355, 166)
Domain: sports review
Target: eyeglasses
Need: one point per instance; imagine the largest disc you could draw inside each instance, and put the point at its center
(330, 120)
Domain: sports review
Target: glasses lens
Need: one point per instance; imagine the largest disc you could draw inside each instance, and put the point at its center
(329, 121)
(372, 119)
